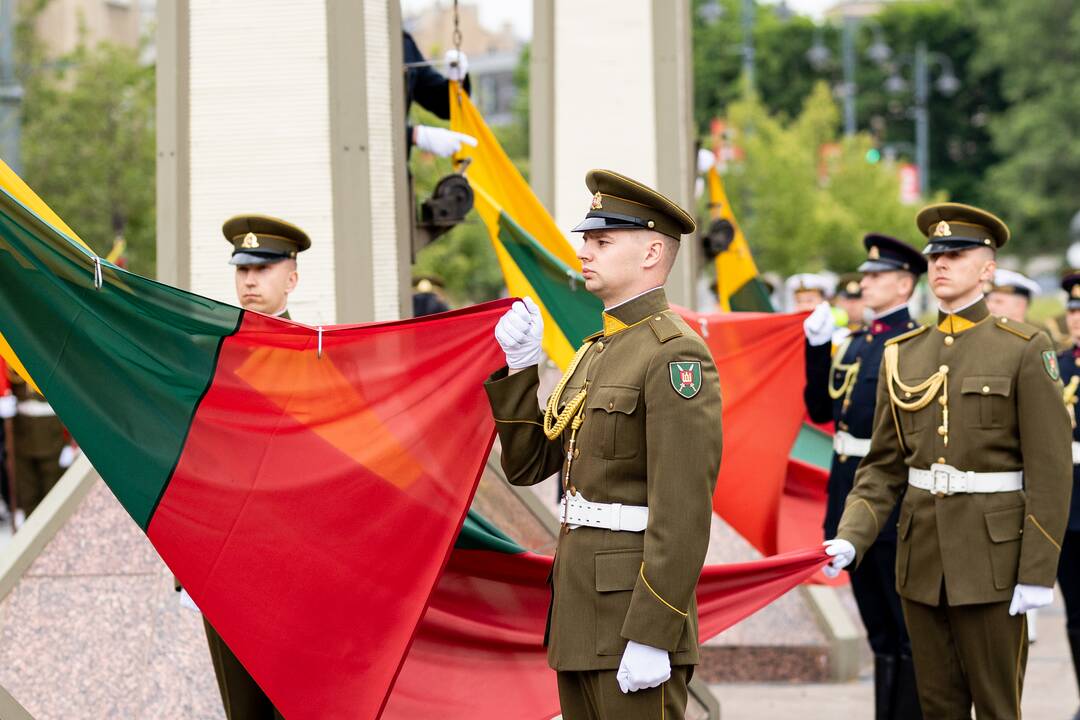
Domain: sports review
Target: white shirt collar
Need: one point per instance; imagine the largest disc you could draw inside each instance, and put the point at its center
(609, 309)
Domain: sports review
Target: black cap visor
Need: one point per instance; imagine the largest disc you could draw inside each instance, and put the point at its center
(246, 257)
(610, 221)
(938, 246)
(882, 265)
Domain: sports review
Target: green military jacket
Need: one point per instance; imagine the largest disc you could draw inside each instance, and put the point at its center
(650, 438)
(35, 436)
(1005, 413)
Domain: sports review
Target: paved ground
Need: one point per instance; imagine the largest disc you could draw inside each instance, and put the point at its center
(1049, 694)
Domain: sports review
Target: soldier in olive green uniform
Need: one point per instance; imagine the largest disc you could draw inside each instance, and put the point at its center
(38, 437)
(634, 425)
(264, 253)
(970, 420)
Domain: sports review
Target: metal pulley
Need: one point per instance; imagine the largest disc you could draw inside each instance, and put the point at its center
(449, 203)
(718, 237)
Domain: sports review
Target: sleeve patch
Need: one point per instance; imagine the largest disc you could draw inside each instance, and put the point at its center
(686, 377)
(1050, 364)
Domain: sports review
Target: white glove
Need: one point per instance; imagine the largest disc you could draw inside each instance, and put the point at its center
(67, 456)
(440, 141)
(520, 332)
(8, 406)
(643, 666)
(457, 65)
(819, 325)
(706, 159)
(1030, 597)
(842, 553)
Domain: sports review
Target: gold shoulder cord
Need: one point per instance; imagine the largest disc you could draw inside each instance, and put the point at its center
(850, 371)
(573, 415)
(923, 393)
(1069, 396)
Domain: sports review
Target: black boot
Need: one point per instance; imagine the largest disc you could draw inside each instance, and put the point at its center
(1074, 643)
(906, 699)
(884, 683)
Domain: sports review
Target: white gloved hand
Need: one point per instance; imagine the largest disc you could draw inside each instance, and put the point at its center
(520, 332)
(819, 325)
(457, 65)
(67, 456)
(842, 553)
(1030, 597)
(440, 141)
(706, 159)
(8, 406)
(643, 666)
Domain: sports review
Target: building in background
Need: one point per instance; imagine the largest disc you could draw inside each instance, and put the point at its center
(62, 24)
(493, 54)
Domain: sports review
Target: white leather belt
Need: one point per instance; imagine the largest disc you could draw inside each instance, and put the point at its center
(947, 480)
(1076, 452)
(844, 443)
(35, 408)
(579, 512)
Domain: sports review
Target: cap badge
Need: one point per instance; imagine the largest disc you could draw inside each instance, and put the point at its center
(250, 241)
(1075, 292)
(597, 201)
(942, 229)
(875, 254)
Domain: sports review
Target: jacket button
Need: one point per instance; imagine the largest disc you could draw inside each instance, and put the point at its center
(611, 406)
(985, 389)
(941, 430)
(600, 347)
(949, 339)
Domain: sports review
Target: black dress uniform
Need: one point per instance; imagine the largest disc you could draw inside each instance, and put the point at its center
(842, 388)
(425, 85)
(1069, 565)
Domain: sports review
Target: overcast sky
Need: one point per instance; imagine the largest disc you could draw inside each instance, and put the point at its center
(519, 12)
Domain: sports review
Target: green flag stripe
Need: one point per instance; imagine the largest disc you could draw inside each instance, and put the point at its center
(753, 296)
(479, 533)
(124, 365)
(577, 312)
(813, 446)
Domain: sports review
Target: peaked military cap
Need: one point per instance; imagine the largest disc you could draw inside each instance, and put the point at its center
(847, 285)
(1071, 285)
(262, 240)
(1013, 283)
(620, 202)
(954, 226)
(886, 254)
(809, 282)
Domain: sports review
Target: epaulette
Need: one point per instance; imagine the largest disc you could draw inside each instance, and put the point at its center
(907, 335)
(1020, 329)
(664, 327)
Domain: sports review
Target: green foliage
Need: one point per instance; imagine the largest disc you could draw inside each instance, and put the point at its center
(805, 197)
(88, 142)
(1034, 186)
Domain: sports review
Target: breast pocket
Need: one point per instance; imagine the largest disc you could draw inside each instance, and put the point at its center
(986, 400)
(614, 408)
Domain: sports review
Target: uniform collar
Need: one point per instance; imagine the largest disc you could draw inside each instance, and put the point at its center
(634, 310)
(964, 319)
(891, 319)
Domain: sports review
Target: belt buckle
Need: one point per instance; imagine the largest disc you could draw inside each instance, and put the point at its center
(941, 478)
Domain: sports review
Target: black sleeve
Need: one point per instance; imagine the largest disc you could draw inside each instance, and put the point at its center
(428, 86)
(816, 393)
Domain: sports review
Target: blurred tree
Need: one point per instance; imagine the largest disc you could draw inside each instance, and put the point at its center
(804, 195)
(1034, 185)
(88, 141)
(960, 147)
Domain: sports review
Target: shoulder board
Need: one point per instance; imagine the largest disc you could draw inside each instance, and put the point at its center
(664, 327)
(1020, 329)
(907, 335)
